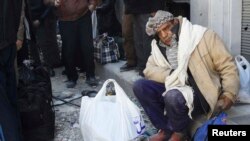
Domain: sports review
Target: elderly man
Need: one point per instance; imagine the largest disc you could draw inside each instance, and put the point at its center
(190, 72)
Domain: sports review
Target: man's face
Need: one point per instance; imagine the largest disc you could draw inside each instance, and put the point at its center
(164, 32)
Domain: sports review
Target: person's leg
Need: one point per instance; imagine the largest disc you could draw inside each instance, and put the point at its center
(9, 119)
(68, 32)
(149, 94)
(177, 111)
(86, 44)
(141, 40)
(128, 45)
(46, 40)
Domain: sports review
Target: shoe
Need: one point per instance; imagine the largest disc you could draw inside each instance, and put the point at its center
(178, 136)
(89, 93)
(70, 84)
(92, 81)
(64, 72)
(160, 136)
(52, 73)
(127, 67)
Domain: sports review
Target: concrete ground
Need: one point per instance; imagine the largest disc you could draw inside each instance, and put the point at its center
(67, 115)
(67, 124)
(237, 115)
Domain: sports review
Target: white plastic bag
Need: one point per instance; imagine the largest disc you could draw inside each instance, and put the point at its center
(110, 118)
(244, 73)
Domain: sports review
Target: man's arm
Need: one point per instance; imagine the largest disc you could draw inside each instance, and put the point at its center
(154, 72)
(226, 68)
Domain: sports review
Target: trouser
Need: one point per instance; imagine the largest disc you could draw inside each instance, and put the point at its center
(128, 45)
(149, 93)
(142, 41)
(47, 42)
(74, 32)
(9, 113)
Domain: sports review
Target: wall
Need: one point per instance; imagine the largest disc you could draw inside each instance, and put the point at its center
(223, 16)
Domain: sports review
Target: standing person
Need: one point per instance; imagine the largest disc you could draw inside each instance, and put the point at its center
(140, 11)
(76, 27)
(128, 44)
(44, 22)
(9, 113)
(189, 73)
(106, 18)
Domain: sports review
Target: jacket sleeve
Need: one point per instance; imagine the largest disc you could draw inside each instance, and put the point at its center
(225, 66)
(155, 72)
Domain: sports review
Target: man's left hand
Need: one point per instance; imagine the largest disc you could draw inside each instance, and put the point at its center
(223, 104)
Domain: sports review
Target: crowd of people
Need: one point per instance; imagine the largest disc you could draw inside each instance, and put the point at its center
(187, 70)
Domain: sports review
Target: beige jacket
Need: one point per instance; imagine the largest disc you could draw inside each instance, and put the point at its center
(212, 67)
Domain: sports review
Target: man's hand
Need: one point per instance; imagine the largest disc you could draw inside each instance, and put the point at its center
(223, 104)
(57, 3)
(19, 44)
(91, 7)
(36, 23)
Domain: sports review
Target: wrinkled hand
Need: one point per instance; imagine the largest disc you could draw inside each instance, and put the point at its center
(223, 104)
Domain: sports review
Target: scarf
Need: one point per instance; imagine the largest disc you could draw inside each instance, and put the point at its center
(190, 36)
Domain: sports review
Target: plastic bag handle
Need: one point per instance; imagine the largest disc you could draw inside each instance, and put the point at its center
(120, 94)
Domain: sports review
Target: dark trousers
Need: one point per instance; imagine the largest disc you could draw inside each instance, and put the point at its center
(77, 37)
(47, 41)
(142, 41)
(9, 115)
(149, 93)
(128, 45)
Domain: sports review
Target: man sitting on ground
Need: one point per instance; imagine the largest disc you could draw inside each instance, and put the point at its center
(189, 73)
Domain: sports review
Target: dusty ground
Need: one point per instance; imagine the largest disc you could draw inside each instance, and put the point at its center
(67, 124)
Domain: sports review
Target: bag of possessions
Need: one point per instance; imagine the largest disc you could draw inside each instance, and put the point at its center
(244, 74)
(35, 103)
(202, 131)
(110, 116)
(105, 49)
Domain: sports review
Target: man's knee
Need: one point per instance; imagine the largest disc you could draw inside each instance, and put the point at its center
(174, 98)
(138, 86)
